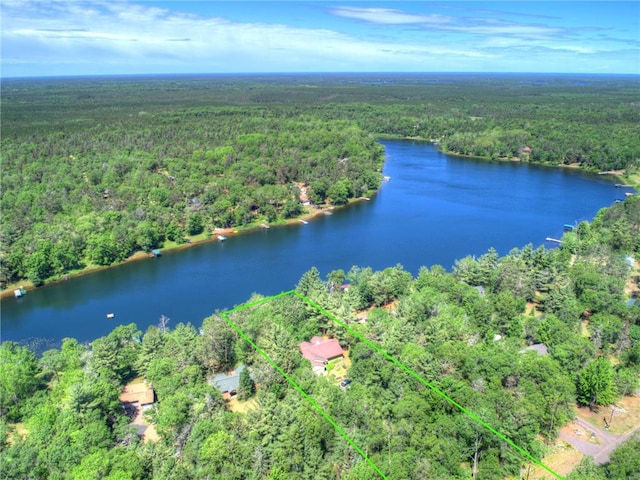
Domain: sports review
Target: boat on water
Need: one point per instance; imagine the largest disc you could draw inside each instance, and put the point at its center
(111, 315)
(222, 238)
(20, 292)
(568, 227)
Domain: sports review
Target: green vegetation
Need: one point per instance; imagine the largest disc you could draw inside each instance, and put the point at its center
(94, 170)
(61, 417)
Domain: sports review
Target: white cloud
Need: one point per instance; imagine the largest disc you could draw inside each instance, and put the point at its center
(467, 25)
(109, 33)
(78, 37)
(387, 16)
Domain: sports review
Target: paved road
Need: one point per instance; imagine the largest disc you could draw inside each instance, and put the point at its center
(600, 452)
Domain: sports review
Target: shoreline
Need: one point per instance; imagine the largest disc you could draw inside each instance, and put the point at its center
(210, 237)
(618, 176)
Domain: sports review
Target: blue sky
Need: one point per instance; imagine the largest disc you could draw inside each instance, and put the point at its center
(75, 37)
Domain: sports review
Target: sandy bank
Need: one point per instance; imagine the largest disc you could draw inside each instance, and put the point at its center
(309, 213)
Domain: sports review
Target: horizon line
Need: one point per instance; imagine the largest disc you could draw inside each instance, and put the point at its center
(328, 73)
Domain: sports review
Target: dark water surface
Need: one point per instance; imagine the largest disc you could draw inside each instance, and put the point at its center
(435, 209)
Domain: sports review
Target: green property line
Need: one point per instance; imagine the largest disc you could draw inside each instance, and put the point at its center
(313, 403)
(425, 382)
(388, 357)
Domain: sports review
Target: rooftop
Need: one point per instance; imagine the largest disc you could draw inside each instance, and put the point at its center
(321, 349)
(138, 392)
(229, 381)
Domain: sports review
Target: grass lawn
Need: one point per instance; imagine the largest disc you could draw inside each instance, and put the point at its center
(237, 406)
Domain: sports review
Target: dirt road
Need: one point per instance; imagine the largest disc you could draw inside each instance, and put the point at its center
(593, 441)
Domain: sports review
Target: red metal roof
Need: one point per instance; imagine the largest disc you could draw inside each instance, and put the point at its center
(321, 349)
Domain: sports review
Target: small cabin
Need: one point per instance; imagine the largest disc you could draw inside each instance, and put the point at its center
(228, 382)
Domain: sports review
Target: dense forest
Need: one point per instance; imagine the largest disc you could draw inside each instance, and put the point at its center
(94, 170)
(465, 331)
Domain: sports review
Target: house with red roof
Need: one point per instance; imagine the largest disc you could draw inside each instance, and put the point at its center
(320, 351)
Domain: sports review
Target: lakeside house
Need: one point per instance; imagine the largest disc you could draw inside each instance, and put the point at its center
(320, 351)
(228, 382)
(136, 398)
(524, 153)
(539, 348)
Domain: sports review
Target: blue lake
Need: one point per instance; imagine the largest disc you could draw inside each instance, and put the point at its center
(434, 210)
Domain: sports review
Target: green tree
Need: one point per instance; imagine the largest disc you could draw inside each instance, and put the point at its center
(595, 384)
(18, 377)
(217, 344)
(195, 224)
(292, 208)
(310, 284)
(247, 387)
(38, 266)
(101, 249)
(625, 461)
(340, 191)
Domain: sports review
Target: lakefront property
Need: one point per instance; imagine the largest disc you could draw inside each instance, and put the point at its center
(228, 382)
(320, 351)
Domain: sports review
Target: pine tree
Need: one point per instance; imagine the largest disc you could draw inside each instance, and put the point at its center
(596, 383)
(247, 387)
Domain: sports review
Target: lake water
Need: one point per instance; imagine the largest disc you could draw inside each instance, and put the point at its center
(434, 210)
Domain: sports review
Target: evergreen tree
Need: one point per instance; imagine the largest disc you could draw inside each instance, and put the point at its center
(596, 383)
(247, 387)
